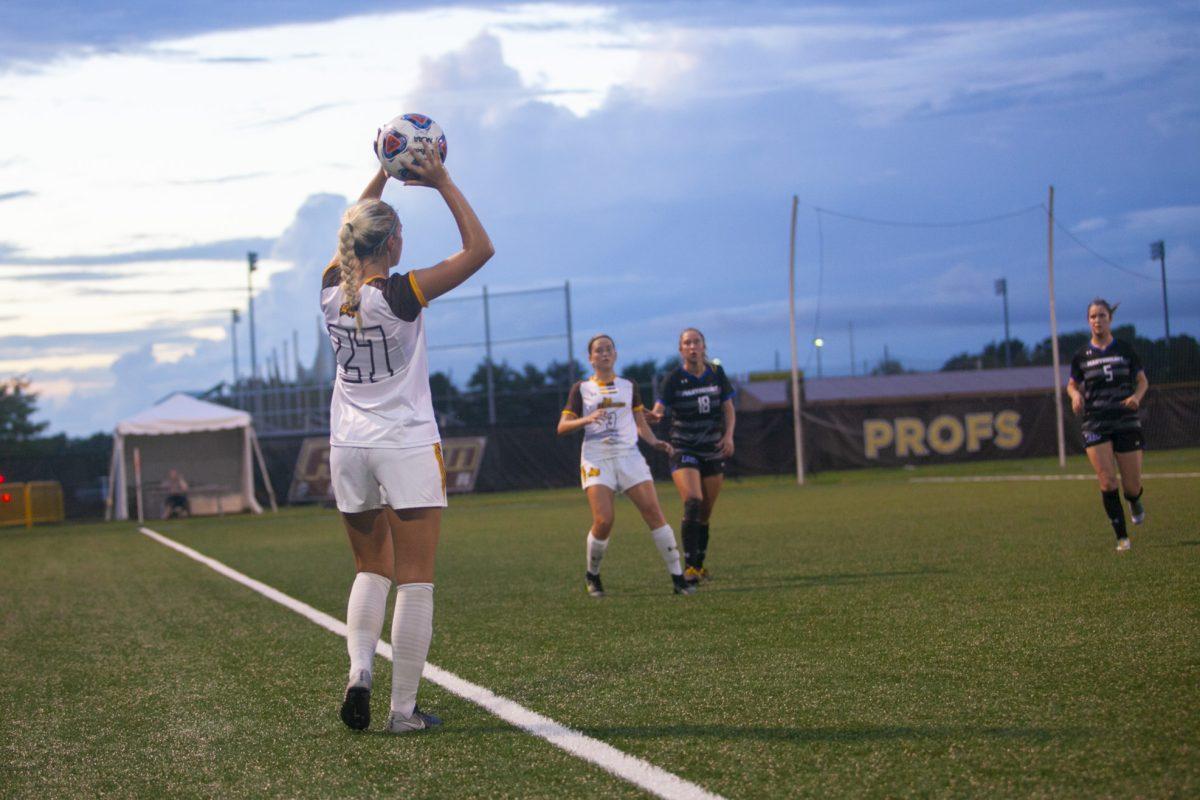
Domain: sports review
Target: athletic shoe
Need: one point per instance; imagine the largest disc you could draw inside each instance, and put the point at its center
(691, 575)
(704, 576)
(356, 706)
(593, 585)
(1137, 511)
(1122, 544)
(682, 586)
(419, 721)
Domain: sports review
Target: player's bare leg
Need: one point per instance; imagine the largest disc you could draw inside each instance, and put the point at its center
(414, 534)
(646, 500)
(1130, 465)
(1105, 466)
(600, 500)
(371, 542)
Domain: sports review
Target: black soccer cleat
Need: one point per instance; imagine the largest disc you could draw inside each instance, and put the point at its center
(593, 585)
(356, 706)
(681, 585)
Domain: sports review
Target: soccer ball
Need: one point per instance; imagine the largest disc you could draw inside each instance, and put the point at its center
(396, 142)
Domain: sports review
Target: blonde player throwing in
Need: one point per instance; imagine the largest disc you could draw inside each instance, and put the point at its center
(385, 449)
(608, 409)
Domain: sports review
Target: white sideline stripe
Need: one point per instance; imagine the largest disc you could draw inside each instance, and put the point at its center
(1014, 478)
(640, 773)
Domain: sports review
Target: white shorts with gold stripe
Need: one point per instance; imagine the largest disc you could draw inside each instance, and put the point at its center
(365, 478)
(618, 473)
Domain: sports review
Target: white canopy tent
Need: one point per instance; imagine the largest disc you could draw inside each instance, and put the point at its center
(212, 446)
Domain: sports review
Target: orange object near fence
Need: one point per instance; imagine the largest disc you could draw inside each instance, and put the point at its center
(31, 502)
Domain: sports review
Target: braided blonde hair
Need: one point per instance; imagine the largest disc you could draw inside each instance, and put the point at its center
(366, 227)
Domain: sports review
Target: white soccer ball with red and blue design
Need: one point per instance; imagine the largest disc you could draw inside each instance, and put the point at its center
(400, 140)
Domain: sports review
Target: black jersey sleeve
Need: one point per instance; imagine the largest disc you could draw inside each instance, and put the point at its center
(332, 276)
(1077, 369)
(404, 296)
(574, 407)
(666, 391)
(1135, 363)
(727, 390)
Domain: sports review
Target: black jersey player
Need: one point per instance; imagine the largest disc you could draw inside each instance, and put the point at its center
(700, 400)
(1106, 388)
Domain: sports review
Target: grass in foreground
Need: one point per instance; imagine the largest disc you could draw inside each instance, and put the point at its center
(864, 636)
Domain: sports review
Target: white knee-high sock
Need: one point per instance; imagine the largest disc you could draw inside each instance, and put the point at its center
(664, 539)
(412, 629)
(364, 620)
(595, 553)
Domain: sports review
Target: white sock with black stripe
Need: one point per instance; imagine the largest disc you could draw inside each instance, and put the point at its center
(664, 539)
(595, 553)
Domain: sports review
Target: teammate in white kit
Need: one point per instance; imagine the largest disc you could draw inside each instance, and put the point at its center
(609, 411)
(385, 455)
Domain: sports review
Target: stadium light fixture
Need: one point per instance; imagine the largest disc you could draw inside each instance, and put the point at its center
(1159, 250)
(818, 343)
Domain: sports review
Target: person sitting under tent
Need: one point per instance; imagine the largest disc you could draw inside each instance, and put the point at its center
(176, 502)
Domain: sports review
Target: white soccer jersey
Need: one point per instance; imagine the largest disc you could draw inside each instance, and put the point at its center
(615, 433)
(381, 393)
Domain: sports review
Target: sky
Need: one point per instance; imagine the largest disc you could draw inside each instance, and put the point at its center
(647, 153)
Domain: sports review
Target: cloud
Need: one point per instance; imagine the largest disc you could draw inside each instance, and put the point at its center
(224, 250)
(15, 195)
(245, 176)
(1165, 219)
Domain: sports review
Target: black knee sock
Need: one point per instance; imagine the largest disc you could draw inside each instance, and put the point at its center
(1133, 498)
(1115, 511)
(702, 544)
(691, 539)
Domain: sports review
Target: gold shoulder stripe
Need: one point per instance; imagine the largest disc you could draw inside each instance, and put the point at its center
(569, 413)
(412, 280)
(332, 265)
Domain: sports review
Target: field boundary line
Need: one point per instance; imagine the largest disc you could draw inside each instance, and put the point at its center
(643, 774)
(1018, 478)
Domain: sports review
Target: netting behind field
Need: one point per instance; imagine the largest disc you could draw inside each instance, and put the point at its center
(909, 294)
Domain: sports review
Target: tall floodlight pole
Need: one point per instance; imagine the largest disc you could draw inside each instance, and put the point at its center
(1058, 409)
(487, 337)
(1002, 290)
(570, 338)
(819, 343)
(1159, 250)
(852, 347)
(252, 262)
(797, 429)
(233, 321)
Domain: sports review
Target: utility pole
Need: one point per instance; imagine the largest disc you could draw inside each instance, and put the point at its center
(1002, 289)
(1058, 391)
(233, 321)
(797, 422)
(571, 375)
(1159, 250)
(851, 347)
(252, 261)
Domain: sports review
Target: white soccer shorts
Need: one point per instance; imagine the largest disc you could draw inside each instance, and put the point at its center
(365, 478)
(617, 473)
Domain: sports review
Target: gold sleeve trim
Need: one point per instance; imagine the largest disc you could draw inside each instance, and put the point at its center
(412, 281)
(639, 407)
(569, 413)
(332, 265)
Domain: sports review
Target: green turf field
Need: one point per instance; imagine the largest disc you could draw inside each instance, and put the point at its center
(863, 636)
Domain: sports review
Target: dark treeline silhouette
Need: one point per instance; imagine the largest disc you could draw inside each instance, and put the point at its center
(1182, 365)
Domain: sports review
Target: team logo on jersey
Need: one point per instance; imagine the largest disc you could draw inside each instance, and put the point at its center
(419, 121)
(394, 143)
(348, 310)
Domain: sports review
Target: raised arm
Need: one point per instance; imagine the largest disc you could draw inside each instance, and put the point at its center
(476, 246)
(643, 429)
(374, 189)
